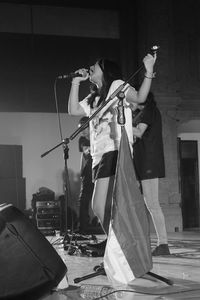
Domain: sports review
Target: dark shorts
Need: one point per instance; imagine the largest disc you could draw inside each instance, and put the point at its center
(107, 165)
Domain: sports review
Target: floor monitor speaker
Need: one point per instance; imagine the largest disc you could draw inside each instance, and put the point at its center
(29, 265)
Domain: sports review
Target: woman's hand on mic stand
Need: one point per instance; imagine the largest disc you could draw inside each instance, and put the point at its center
(149, 61)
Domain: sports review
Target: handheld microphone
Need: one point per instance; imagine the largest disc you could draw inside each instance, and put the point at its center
(73, 75)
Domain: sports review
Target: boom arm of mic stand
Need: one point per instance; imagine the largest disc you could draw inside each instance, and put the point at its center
(65, 141)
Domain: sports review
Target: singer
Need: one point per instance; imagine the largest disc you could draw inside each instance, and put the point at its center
(105, 132)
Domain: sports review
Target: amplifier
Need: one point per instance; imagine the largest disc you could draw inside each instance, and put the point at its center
(48, 204)
(48, 223)
(43, 196)
(47, 210)
(49, 215)
(47, 231)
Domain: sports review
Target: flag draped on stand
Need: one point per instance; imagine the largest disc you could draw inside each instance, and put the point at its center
(128, 250)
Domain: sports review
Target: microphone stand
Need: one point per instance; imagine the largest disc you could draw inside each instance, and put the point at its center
(100, 269)
(67, 193)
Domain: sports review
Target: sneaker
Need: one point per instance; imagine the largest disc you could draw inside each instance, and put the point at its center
(97, 249)
(98, 246)
(160, 250)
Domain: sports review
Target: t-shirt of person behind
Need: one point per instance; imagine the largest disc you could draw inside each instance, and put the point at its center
(148, 154)
(105, 132)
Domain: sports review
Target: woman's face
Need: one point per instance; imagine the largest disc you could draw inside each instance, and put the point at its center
(96, 74)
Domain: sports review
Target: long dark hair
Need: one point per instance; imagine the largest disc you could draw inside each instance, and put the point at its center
(111, 71)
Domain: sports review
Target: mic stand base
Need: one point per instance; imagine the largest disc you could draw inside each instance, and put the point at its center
(94, 274)
(100, 271)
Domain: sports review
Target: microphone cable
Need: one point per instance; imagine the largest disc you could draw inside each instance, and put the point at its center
(57, 109)
(66, 175)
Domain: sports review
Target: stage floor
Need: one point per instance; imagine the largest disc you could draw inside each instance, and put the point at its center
(182, 267)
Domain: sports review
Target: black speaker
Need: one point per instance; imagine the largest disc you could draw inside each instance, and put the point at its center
(11, 161)
(29, 265)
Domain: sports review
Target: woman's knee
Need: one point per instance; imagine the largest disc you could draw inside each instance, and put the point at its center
(99, 197)
(96, 208)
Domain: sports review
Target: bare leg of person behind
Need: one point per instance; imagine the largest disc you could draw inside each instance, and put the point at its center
(101, 206)
(151, 198)
(85, 200)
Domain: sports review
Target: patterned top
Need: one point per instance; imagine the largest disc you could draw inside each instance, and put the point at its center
(105, 132)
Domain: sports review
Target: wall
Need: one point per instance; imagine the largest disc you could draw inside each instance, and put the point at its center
(38, 133)
(38, 43)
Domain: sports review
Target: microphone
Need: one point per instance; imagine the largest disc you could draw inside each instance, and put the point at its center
(154, 49)
(73, 75)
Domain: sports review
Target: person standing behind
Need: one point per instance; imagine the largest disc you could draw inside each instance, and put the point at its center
(148, 158)
(87, 186)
